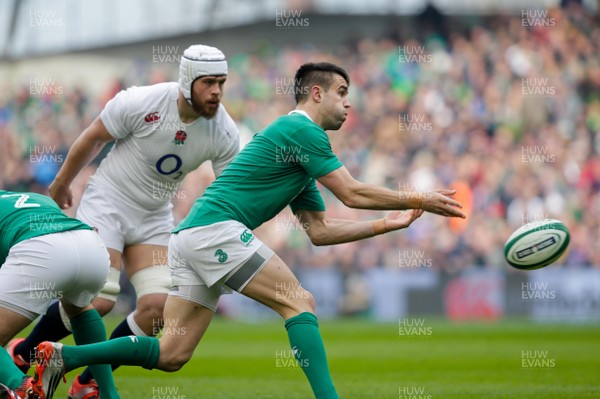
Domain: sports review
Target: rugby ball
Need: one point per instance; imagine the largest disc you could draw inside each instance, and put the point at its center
(537, 244)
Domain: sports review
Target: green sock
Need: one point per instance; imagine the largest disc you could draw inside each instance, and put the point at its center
(88, 328)
(124, 351)
(10, 375)
(307, 345)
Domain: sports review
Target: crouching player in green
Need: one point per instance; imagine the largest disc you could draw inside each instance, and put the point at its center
(46, 255)
(213, 248)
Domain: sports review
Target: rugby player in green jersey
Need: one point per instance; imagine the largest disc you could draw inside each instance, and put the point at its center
(214, 250)
(46, 255)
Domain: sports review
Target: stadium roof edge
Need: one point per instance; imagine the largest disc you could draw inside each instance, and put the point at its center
(44, 27)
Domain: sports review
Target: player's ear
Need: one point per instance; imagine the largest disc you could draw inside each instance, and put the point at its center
(316, 93)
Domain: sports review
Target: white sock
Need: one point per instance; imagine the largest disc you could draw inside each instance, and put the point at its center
(64, 317)
(134, 327)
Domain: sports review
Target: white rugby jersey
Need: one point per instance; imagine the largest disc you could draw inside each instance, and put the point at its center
(154, 149)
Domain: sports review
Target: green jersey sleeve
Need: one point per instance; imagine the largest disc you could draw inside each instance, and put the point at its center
(314, 150)
(309, 199)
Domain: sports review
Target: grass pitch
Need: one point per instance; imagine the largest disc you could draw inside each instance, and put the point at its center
(437, 360)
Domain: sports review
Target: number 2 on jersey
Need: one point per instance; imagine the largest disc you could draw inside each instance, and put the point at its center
(22, 201)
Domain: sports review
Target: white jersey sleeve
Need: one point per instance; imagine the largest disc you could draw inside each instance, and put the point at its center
(115, 114)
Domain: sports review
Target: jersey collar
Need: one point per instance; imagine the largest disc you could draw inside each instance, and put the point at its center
(299, 111)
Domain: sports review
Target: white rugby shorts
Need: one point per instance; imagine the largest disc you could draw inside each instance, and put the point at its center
(121, 223)
(207, 261)
(72, 265)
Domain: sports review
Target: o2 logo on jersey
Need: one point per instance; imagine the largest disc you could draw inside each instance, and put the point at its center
(170, 164)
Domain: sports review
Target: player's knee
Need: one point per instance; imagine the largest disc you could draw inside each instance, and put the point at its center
(173, 360)
(151, 284)
(151, 307)
(103, 306)
(302, 301)
(310, 303)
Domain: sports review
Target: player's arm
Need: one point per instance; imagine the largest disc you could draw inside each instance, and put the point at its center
(85, 148)
(325, 231)
(359, 195)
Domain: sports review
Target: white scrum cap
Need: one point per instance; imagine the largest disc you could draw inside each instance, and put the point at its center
(197, 61)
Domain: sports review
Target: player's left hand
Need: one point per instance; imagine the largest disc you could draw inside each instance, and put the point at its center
(397, 220)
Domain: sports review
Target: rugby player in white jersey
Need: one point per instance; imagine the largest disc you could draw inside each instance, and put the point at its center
(161, 133)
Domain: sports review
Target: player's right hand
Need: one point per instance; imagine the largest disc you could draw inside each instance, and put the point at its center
(440, 203)
(61, 194)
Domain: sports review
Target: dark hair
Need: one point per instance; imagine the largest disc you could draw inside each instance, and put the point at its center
(311, 74)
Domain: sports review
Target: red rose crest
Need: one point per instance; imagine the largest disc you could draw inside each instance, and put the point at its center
(180, 137)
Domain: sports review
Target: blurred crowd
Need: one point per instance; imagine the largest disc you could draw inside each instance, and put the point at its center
(505, 111)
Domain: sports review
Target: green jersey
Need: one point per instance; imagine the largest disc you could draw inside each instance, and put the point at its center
(28, 215)
(276, 169)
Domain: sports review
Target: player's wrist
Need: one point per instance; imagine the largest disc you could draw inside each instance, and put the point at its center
(380, 226)
(411, 200)
(418, 200)
(60, 180)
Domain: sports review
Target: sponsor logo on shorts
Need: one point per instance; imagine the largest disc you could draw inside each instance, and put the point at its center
(221, 255)
(247, 237)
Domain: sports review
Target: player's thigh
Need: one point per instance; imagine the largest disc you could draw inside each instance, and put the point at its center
(146, 239)
(185, 322)
(146, 266)
(108, 216)
(99, 209)
(276, 286)
(102, 211)
(116, 258)
(12, 324)
(142, 256)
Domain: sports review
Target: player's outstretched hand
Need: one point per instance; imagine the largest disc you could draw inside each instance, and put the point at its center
(440, 203)
(61, 194)
(396, 220)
